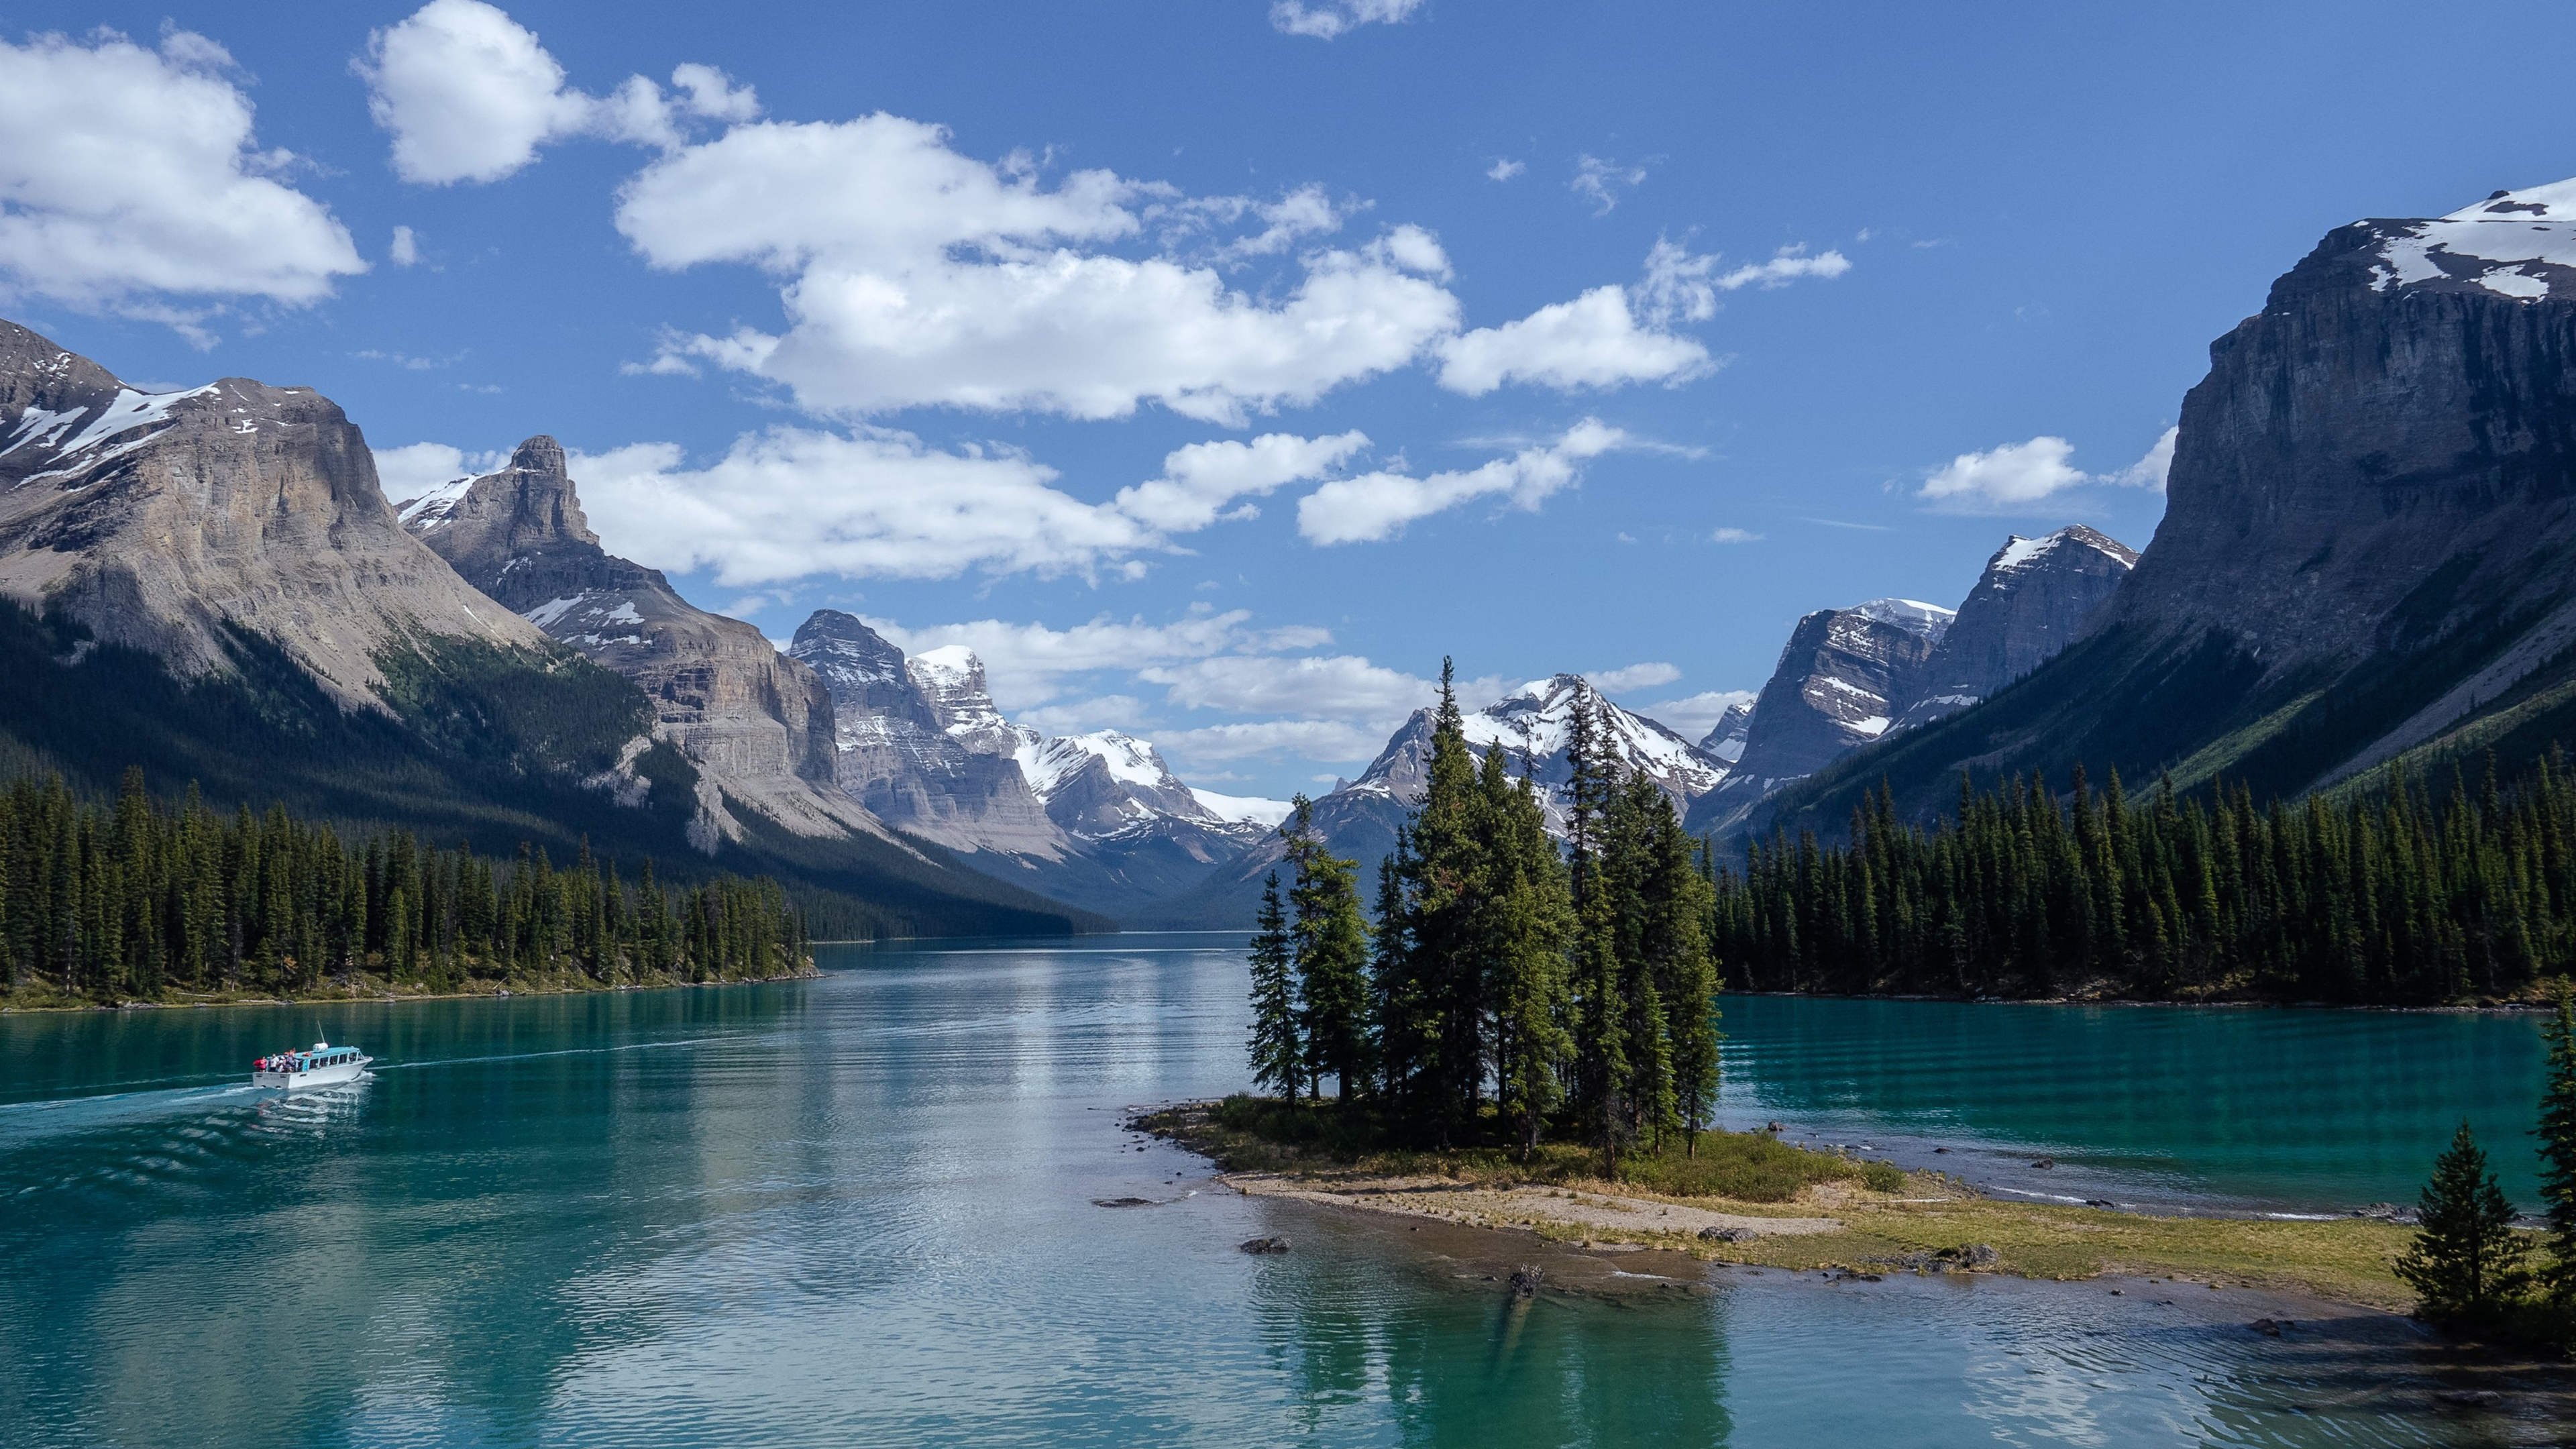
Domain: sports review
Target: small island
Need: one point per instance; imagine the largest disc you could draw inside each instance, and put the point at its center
(1526, 1039)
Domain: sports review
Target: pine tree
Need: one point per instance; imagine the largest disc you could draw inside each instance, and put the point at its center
(2466, 1261)
(1525, 928)
(1332, 956)
(2558, 1156)
(1278, 1055)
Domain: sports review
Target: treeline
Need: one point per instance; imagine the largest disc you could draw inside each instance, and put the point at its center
(1508, 989)
(2391, 896)
(135, 900)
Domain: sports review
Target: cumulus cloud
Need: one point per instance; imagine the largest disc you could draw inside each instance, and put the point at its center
(2017, 474)
(410, 471)
(1029, 664)
(913, 275)
(791, 502)
(1504, 169)
(1614, 335)
(2150, 471)
(1693, 716)
(1325, 741)
(405, 250)
(1377, 505)
(1198, 481)
(1734, 535)
(1633, 676)
(1603, 182)
(1343, 685)
(470, 95)
(130, 177)
(1596, 340)
(1328, 19)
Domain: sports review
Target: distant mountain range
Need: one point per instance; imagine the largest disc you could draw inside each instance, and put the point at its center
(2365, 558)
(211, 584)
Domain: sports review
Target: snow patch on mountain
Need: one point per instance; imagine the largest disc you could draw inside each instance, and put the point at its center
(2518, 244)
(1243, 809)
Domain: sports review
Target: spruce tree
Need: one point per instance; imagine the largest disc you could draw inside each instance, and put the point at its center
(1278, 1053)
(1525, 928)
(2558, 1157)
(2466, 1261)
(1331, 942)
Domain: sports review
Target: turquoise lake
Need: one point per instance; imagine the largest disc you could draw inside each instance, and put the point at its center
(861, 1210)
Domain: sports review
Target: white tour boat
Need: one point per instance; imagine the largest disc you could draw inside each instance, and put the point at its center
(324, 1066)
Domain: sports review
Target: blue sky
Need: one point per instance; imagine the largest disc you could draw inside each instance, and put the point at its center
(1660, 324)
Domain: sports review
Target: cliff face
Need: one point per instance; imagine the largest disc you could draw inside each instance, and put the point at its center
(1842, 680)
(165, 521)
(759, 726)
(2036, 596)
(2370, 519)
(898, 757)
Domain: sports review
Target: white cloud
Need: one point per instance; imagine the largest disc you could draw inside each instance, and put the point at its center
(2150, 471)
(1593, 341)
(1378, 505)
(916, 276)
(1734, 535)
(1028, 664)
(470, 94)
(1633, 676)
(1322, 740)
(1693, 716)
(2016, 474)
(130, 176)
(1787, 265)
(2000, 477)
(1327, 19)
(1200, 480)
(1343, 685)
(410, 471)
(1602, 182)
(1504, 169)
(791, 502)
(405, 250)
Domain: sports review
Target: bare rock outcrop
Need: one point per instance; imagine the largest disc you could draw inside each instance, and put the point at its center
(168, 521)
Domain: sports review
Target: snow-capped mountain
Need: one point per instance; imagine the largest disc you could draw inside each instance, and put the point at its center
(920, 744)
(1097, 820)
(1843, 679)
(2033, 600)
(2363, 553)
(1530, 726)
(177, 522)
(1725, 739)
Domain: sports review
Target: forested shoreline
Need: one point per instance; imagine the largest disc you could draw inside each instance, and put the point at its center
(143, 901)
(2401, 895)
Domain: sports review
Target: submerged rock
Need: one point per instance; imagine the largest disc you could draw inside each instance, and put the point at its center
(1265, 1246)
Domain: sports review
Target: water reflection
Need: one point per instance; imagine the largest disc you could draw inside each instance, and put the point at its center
(862, 1210)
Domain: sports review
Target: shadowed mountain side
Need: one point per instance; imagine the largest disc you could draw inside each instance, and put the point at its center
(2365, 556)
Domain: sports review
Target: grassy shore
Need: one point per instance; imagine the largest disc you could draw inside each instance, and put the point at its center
(1749, 1198)
(365, 987)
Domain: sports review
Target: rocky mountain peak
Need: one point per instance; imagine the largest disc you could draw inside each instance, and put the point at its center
(529, 506)
(2036, 596)
(168, 521)
(862, 667)
(1531, 725)
(1725, 739)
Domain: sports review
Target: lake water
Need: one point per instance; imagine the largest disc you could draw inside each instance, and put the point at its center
(860, 1210)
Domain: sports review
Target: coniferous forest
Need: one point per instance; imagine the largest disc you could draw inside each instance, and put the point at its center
(2404, 894)
(137, 900)
(1509, 990)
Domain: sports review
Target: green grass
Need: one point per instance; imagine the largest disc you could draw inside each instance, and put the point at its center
(1264, 1134)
